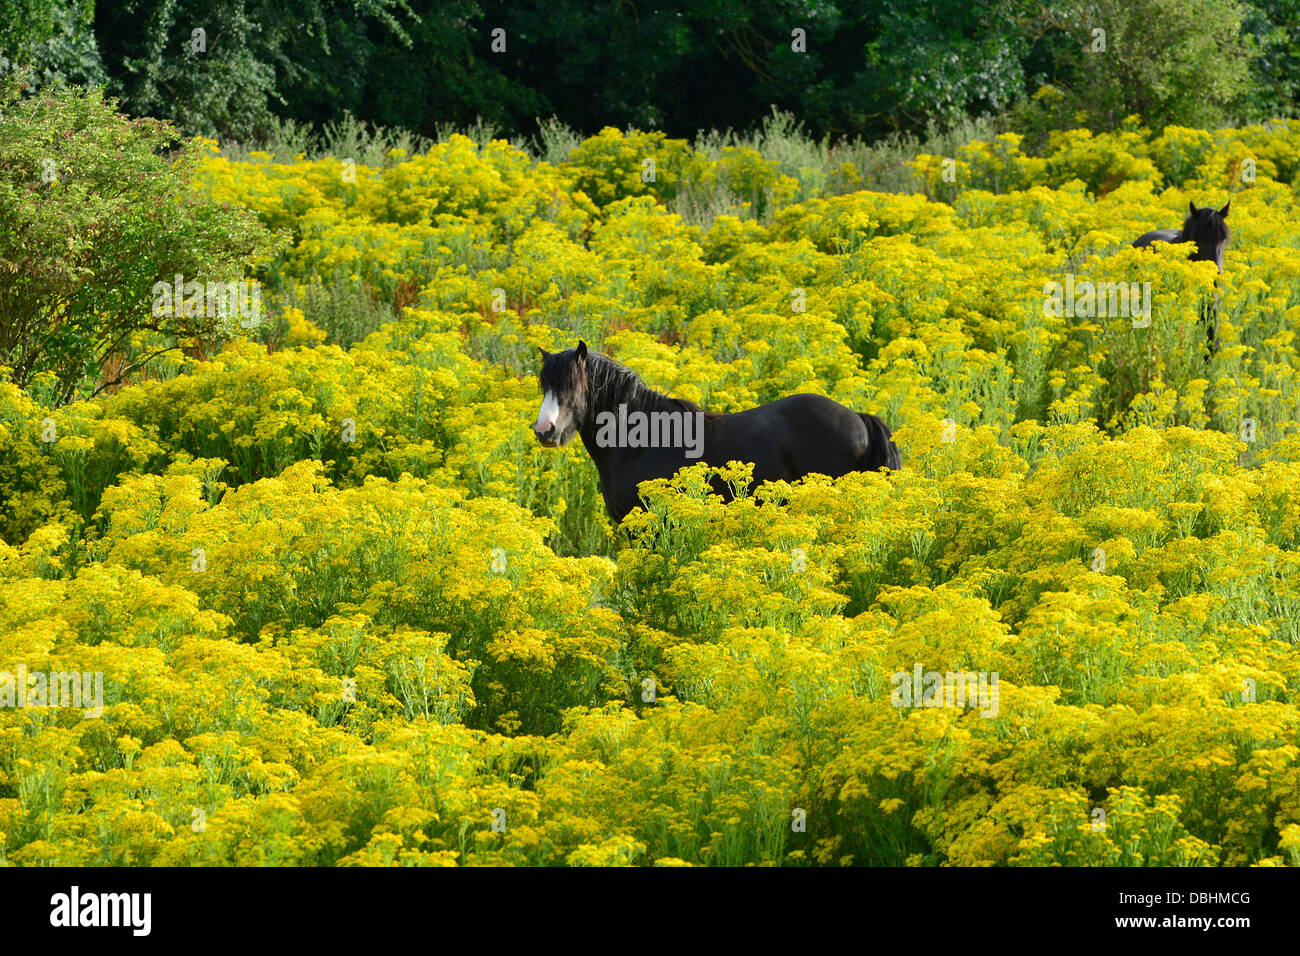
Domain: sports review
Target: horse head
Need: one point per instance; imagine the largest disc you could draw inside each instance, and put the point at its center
(1206, 227)
(564, 395)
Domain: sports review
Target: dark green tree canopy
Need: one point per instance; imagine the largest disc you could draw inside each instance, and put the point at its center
(229, 68)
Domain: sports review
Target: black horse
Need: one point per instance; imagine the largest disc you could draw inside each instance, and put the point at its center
(1208, 230)
(634, 434)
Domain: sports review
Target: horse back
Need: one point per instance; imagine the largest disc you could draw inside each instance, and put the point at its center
(783, 440)
(1158, 235)
(802, 434)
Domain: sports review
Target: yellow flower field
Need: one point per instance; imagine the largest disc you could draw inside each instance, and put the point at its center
(347, 611)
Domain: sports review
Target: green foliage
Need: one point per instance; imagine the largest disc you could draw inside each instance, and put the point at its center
(1274, 25)
(54, 39)
(216, 67)
(860, 70)
(1183, 62)
(93, 213)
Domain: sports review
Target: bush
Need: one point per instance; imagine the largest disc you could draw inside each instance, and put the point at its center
(93, 214)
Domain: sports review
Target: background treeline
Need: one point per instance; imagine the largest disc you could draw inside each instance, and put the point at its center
(870, 69)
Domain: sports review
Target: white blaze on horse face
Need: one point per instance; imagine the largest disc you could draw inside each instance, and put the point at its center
(548, 416)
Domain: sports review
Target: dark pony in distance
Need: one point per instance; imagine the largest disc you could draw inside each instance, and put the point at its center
(634, 434)
(1208, 230)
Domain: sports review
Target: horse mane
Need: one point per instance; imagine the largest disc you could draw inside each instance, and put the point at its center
(616, 384)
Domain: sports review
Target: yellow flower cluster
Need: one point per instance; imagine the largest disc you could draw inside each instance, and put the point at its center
(344, 610)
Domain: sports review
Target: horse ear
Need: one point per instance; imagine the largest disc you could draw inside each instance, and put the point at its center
(545, 354)
(1193, 205)
(1223, 213)
(582, 350)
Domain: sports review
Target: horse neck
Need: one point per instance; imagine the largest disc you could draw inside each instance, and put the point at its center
(1204, 245)
(608, 388)
(1201, 251)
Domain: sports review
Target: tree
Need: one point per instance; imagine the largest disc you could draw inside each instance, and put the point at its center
(53, 39)
(1182, 62)
(96, 210)
(1275, 26)
(218, 67)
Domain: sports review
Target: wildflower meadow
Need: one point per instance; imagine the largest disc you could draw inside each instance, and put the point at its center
(335, 605)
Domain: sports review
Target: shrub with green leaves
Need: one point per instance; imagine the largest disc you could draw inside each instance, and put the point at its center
(95, 209)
